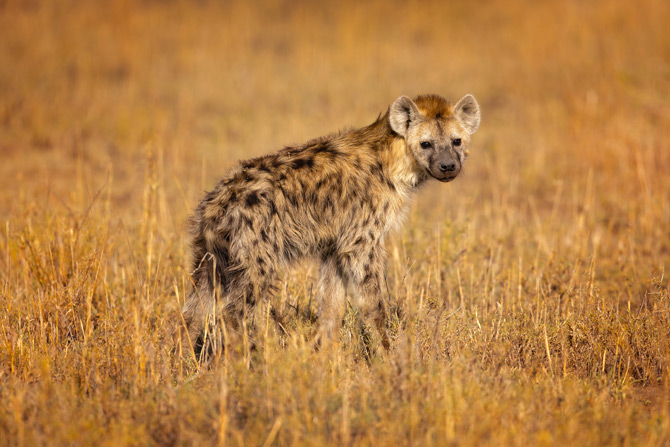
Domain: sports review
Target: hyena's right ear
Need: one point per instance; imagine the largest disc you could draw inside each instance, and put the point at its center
(402, 115)
(467, 112)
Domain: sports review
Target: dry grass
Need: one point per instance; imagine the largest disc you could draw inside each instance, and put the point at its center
(530, 305)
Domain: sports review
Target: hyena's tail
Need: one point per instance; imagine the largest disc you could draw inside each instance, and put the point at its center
(198, 309)
(199, 313)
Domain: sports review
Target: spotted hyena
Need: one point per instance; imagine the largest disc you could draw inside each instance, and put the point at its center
(335, 199)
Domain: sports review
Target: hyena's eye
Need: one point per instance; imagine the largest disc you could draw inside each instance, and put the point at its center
(456, 141)
(426, 144)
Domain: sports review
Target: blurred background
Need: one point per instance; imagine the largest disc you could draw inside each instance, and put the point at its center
(529, 297)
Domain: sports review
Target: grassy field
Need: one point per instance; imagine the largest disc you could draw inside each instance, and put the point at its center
(530, 303)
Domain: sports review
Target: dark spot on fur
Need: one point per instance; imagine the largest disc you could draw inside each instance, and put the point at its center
(369, 277)
(326, 148)
(252, 199)
(264, 235)
(327, 248)
(247, 220)
(378, 169)
(303, 163)
(273, 208)
(260, 260)
(233, 197)
(245, 175)
(321, 183)
(249, 298)
(359, 240)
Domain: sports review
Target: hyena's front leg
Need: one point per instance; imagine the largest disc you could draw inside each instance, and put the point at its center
(331, 299)
(369, 285)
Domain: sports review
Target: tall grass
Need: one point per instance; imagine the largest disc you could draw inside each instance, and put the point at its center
(529, 299)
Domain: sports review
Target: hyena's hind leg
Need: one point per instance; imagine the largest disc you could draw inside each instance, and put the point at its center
(331, 301)
(250, 283)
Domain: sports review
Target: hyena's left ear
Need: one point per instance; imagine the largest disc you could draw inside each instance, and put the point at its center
(467, 112)
(403, 114)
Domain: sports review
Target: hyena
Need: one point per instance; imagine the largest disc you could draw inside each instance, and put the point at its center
(335, 199)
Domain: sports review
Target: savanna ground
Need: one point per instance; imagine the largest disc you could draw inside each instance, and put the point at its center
(529, 299)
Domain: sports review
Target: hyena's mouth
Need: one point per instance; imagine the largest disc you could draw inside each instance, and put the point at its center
(443, 177)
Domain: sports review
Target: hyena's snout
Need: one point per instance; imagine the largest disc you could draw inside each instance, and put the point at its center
(445, 168)
(451, 167)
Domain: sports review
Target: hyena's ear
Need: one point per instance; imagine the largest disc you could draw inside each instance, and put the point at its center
(467, 112)
(402, 115)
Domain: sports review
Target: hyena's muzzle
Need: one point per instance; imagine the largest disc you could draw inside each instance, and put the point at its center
(445, 165)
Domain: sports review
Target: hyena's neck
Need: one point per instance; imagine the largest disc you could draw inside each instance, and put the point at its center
(395, 157)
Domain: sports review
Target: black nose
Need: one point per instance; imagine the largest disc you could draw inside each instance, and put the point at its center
(447, 167)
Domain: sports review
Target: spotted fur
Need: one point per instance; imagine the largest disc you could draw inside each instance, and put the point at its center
(334, 199)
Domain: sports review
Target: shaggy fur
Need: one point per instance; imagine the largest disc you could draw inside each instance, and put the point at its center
(335, 199)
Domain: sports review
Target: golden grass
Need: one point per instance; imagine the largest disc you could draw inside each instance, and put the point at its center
(530, 300)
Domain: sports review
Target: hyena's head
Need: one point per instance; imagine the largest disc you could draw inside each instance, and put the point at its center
(436, 132)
